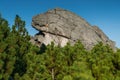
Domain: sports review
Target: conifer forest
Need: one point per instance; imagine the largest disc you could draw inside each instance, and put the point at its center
(20, 60)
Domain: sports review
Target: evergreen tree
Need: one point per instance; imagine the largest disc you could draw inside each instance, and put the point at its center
(6, 59)
(100, 61)
(22, 43)
(116, 62)
(13, 45)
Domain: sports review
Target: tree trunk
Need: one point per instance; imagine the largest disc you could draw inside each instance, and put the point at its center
(53, 77)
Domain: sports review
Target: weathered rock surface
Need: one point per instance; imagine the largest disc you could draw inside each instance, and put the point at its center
(62, 26)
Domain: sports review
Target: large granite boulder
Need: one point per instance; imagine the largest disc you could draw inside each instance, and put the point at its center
(62, 26)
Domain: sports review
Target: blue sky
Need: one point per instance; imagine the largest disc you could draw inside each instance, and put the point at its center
(103, 13)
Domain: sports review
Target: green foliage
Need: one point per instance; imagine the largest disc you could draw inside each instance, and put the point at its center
(100, 62)
(20, 60)
(67, 78)
(13, 46)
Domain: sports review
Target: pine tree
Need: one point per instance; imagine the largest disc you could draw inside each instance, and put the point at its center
(116, 62)
(101, 62)
(14, 44)
(22, 43)
(7, 58)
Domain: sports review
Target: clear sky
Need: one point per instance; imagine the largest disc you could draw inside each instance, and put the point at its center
(103, 13)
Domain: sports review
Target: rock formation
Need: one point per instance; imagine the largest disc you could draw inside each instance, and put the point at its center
(62, 26)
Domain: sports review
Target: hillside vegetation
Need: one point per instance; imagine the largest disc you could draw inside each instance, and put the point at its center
(20, 60)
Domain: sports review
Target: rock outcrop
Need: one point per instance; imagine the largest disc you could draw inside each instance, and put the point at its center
(62, 26)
